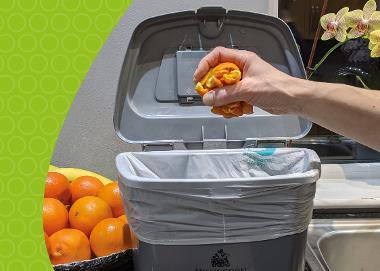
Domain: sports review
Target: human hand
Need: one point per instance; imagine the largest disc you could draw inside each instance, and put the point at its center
(262, 84)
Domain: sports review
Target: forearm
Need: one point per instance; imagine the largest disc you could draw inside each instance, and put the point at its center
(346, 110)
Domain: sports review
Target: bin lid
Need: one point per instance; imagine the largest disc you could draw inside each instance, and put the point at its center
(156, 101)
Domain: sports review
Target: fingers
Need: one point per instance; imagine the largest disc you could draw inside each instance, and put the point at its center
(219, 55)
(225, 95)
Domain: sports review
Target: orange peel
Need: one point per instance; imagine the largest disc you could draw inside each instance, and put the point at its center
(226, 73)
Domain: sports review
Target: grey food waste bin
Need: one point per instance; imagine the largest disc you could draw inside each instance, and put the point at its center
(239, 206)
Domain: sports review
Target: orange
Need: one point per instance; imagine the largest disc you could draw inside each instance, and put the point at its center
(134, 240)
(88, 211)
(110, 236)
(55, 216)
(47, 244)
(111, 194)
(57, 186)
(123, 218)
(84, 186)
(69, 245)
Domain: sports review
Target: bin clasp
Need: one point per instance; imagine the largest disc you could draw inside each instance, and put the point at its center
(157, 147)
(211, 21)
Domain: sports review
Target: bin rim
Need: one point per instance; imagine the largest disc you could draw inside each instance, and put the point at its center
(132, 180)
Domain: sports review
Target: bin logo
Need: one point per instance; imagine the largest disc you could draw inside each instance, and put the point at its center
(220, 259)
(259, 158)
(220, 262)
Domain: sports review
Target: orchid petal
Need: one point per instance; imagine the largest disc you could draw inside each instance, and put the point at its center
(327, 35)
(340, 14)
(326, 19)
(369, 9)
(341, 34)
(371, 45)
(352, 18)
(343, 25)
(374, 37)
(354, 33)
(374, 22)
(376, 51)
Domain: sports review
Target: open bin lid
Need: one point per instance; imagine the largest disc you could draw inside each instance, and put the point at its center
(155, 100)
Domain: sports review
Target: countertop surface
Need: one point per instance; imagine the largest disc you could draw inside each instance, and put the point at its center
(348, 186)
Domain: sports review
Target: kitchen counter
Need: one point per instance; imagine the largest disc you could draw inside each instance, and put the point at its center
(349, 186)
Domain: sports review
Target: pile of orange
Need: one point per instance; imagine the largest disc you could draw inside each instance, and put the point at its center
(83, 218)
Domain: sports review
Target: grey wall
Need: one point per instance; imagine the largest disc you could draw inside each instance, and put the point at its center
(87, 139)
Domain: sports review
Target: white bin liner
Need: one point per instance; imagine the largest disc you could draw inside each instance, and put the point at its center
(218, 196)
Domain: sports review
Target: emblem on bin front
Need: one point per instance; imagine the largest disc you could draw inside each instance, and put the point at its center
(220, 259)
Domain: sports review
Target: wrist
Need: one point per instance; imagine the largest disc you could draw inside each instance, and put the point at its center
(301, 92)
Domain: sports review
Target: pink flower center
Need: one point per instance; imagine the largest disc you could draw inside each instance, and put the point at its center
(332, 26)
(362, 26)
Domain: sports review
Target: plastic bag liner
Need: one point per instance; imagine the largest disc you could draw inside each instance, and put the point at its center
(218, 196)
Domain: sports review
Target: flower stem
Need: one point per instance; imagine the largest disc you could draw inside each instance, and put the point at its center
(362, 82)
(332, 49)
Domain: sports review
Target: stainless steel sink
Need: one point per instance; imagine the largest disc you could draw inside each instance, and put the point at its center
(344, 245)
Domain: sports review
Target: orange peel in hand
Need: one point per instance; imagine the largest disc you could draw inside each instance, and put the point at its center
(226, 73)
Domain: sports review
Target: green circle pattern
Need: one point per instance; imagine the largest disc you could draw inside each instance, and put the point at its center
(46, 49)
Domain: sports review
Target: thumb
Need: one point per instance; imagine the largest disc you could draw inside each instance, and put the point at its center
(224, 95)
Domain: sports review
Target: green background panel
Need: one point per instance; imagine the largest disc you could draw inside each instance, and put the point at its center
(46, 49)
